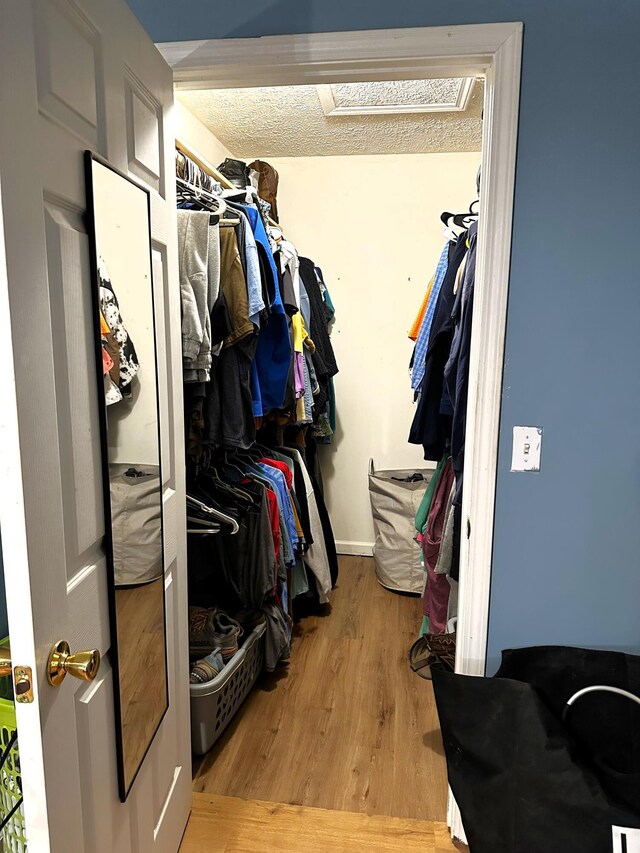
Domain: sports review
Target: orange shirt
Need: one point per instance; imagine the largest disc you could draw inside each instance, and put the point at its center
(415, 329)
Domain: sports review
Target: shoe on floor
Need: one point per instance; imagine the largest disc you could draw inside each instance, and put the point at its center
(206, 669)
(421, 658)
(443, 647)
(228, 631)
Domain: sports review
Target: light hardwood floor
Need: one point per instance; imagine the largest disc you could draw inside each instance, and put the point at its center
(347, 726)
(231, 825)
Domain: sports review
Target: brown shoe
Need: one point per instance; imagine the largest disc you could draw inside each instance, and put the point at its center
(443, 647)
(421, 658)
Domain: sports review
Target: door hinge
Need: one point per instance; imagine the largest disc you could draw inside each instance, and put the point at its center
(468, 528)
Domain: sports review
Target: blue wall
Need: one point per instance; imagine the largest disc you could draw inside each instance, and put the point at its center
(567, 540)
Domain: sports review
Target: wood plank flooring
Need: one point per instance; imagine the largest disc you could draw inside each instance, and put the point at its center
(347, 725)
(231, 825)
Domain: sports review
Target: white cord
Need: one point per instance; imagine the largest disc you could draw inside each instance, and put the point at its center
(598, 688)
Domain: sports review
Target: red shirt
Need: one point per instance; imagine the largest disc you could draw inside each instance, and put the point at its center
(281, 466)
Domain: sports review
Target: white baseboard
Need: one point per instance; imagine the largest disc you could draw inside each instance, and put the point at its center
(354, 549)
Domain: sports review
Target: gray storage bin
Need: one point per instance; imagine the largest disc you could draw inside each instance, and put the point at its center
(213, 704)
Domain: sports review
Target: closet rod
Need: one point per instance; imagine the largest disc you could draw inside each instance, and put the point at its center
(214, 173)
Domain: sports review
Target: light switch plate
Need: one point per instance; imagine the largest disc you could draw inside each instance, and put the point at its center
(527, 448)
(626, 840)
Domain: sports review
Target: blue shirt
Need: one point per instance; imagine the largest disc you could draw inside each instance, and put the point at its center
(277, 478)
(422, 341)
(254, 283)
(274, 351)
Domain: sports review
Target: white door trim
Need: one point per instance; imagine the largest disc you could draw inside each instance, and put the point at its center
(493, 51)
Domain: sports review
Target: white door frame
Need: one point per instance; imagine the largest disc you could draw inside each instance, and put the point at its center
(494, 52)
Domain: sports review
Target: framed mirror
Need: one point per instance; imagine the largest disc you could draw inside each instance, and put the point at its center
(119, 223)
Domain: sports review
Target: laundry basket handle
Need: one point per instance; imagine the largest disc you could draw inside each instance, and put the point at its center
(5, 820)
(598, 688)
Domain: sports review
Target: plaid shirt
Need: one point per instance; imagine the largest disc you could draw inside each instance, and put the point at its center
(422, 343)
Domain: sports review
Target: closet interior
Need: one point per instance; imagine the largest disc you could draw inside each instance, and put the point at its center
(327, 302)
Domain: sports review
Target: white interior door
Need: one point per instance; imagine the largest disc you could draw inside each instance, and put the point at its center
(76, 75)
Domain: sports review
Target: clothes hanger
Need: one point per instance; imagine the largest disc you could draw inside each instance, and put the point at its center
(193, 192)
(213, 527)
(235, 527)
(229, 489)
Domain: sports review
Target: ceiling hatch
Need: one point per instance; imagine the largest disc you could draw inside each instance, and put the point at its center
(450, 94)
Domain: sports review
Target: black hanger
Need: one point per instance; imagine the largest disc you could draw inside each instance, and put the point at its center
(462, 220)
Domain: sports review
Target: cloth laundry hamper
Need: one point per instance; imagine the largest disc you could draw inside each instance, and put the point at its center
(395, 497)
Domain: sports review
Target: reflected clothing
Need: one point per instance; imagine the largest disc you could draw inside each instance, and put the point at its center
(127, 360)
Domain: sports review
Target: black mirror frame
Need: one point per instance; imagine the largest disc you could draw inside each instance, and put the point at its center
(89, 158)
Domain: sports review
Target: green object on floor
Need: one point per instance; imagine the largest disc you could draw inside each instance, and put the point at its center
(425, 504)
(13, 836)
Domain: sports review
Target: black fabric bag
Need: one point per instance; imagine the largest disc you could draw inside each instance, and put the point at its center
(532, 774)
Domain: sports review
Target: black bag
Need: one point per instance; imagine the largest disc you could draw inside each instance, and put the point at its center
(534, 774)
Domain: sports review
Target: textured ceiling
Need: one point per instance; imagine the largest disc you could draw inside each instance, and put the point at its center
(397, 92)
(288, 121)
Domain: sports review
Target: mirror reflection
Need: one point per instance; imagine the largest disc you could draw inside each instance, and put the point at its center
(131, 454)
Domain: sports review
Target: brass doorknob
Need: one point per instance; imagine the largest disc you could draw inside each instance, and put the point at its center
(5, 661)
(83, 665)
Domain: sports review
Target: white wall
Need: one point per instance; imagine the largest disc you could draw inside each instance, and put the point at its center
(372, 223)
(197, 137)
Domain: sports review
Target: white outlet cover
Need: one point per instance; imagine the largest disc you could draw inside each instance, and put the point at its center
(626, 840)
(527, 448)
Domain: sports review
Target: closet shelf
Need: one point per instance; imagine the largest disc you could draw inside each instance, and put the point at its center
(213, 172)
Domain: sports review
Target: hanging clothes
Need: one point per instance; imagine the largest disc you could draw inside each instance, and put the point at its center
(323, 356)
(274, 351)
(430, 426)
(247, 305)
(422, 340)
(267, 185)
(456, 370)
(436, 592)
(414, 331)
(193, 250)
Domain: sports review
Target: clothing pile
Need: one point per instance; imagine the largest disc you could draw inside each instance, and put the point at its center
(440, 379)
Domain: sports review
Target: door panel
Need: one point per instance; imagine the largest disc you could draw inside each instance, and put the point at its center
(77, 75)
